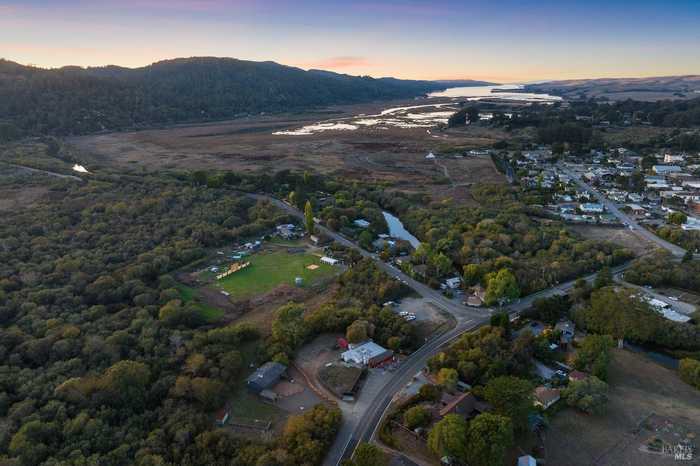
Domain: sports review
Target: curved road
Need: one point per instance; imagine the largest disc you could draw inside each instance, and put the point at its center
(363, 429)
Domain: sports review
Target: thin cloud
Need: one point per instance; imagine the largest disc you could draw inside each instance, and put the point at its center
(339, 63)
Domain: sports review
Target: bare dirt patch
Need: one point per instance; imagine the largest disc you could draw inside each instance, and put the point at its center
(640, 391)
(622, 236)
(313, 356)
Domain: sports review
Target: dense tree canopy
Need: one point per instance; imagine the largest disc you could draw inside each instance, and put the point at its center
(100, 359)
(448, 437)
(72, 100)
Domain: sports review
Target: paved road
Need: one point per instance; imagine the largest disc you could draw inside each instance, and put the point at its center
(460, 312)
(623, 217)
(363, 428)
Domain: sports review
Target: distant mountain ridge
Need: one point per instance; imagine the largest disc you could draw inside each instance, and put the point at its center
(464, 83)
(654, 88)
(74, 100)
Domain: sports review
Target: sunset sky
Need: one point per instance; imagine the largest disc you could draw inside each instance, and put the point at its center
(499, 40)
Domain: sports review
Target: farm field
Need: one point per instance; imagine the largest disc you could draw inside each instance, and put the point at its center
(267, 270)
(645, 401)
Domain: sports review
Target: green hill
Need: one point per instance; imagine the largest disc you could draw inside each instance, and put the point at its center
(74, 100)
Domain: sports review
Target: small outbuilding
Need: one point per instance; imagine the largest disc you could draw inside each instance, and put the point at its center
(266, 376)
(329, 260)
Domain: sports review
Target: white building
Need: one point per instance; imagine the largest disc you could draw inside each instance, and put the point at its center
(592, 208)
(453, 283)
(692, 224)
(665, 169)
(670, 158)
(329, 260)
(367, 354)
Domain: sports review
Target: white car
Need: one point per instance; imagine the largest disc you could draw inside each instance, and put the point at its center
(403, 313)
(673, 298)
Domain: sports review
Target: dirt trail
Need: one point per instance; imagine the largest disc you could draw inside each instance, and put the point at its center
(44, 172)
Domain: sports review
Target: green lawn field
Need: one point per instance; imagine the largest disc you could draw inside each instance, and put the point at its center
(270, 269)
(210, 313)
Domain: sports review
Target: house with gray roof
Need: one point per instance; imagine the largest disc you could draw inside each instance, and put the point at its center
(266, 376)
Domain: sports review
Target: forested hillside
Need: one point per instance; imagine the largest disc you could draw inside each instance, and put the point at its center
(74, 100)
(100, 361)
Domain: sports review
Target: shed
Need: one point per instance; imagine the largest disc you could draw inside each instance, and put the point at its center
(329, 260)
(266, 376)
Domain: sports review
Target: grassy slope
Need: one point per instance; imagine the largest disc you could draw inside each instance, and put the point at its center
(210, 313)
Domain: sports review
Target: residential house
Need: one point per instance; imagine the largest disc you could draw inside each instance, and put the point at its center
(319, 239)
(286, 231)
(266, 376)
(546, 397)
(542, 371)
(691, 224)
(692, 185)
(476, 299)
(567, 329)
(592, 208)
(452, 283)
(575, 376)
(637, 209)
(221, 417)
(671, 158)
(464, 404)
(666, 169)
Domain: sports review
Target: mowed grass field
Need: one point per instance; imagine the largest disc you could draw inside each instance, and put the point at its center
(269, 269)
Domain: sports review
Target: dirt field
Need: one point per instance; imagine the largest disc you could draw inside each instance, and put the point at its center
(395, 155)
(315, 355)
(646, 400)
(621, 236)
